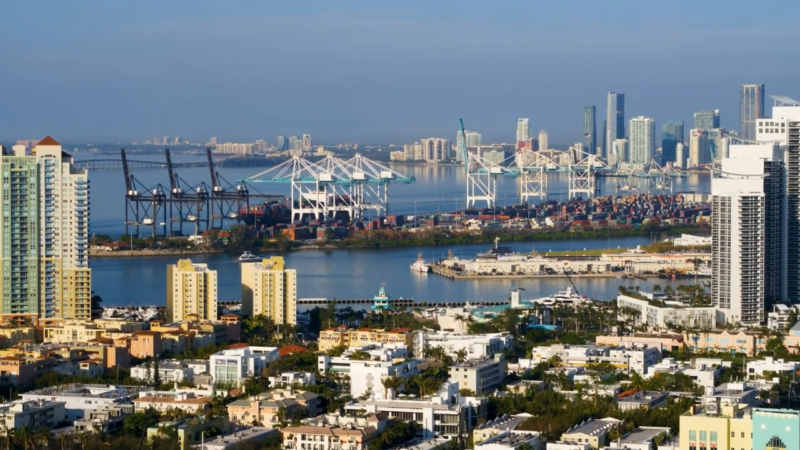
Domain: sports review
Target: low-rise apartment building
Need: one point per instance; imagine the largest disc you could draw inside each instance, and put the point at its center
(513, 440)
(166, 401)
(190, 431)
(770, 367)
(592, 432)
(105, 419)
(80, 398)
(627, 401)
(241, 436)
(234, 365)
(445, 413)
(350, 337)
(731, 427)
(33, 414)
(494, 427)
(265, 409)
(629, 359)
(170, 370)
(661, 314)
(665, 341)
(333, 433)
(704, 371)
(476, 346)
(293, 379)
(479, 376)
(366, 377)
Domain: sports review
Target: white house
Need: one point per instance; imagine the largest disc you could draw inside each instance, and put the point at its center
(477, 346)
(232, 366)
(512, 440)
(771, 366)
(656, 316)
(366, 376)
(79, 398)
(170, 371)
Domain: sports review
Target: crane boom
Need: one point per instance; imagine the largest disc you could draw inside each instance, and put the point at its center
(463, 143)
(214, 180)
(173, 182)
(126, 172)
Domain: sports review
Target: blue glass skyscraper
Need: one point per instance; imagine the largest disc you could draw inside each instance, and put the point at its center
(671, 136)
(589, 129)
(615, 120)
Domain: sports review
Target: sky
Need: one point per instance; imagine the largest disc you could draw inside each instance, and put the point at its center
(378, 71)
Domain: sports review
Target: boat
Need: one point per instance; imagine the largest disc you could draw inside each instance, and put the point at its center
(496, 251)
(702, 271)
(248, 257)
(564, 298)
(420, 265)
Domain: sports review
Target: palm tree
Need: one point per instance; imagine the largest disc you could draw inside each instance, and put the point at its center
(637, 382)
(461, 355)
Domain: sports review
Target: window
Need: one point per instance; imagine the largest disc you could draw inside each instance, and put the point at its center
(703, 436)
(742, 436)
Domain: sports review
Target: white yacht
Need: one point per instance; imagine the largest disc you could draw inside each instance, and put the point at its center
(248, 257)
(565, 298)
(420, 265)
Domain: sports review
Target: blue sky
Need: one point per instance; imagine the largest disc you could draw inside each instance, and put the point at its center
(377, 71)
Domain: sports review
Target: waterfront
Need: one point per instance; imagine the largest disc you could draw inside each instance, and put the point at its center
(437, 188)
(358, 274)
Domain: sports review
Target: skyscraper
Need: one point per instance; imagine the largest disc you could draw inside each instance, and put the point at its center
(269, 288)
(44, 235)
(671, 136)
(473, 140)
(543, 144)
(706, 120)
(191, 289)
(589, 129)
(698, 149)
(642, 140)
(435, 149)
(747, 248)
(751, 108)
(615, 120)
(307, 144)
(281, 143)
(523, 133)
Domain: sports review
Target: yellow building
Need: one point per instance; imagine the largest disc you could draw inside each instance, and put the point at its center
(269, 288)
(191, 289)
(731, 427)
(71, 331)
(334, 337)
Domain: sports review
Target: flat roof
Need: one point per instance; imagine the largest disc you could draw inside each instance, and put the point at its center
(643, 435)
(510, 439)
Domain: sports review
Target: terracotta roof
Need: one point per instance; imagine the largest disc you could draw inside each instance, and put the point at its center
(153, 399)
(290, 349)
(47, 141)
(239, 345)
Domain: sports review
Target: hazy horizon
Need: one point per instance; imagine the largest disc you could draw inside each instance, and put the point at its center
(389, 72)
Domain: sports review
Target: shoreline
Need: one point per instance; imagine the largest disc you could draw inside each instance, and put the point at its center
(138, 253)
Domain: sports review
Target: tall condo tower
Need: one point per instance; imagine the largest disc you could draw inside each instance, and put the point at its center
(615, 120)
(590, 129)
(191, 291)
(642, 140)
(44, 234)
(523, 133)
(270, 289)
(751, 108)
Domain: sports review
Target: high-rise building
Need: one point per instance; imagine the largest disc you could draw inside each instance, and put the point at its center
(543, 144)
(620, 152)
(706, 120)
(698, 149)
(307, 144)
(212, 142)
(435, 149)
(294, 143)
(671, 136)
(615, 119)
(44, 234)
(473, 141)
(642, 139)
(176, 140)
(191, 291)
(751, 108)
(748, 200)
(281, 144)
(523, 132)
(680, 155)
(784, 128)
(590, 129)
(270, 289)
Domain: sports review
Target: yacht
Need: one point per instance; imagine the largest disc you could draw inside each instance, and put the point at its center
(248, 257)
(496, 251)
(702, 271)
(420, 265)
(565, 298)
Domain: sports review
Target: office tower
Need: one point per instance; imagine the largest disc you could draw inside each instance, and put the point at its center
(671, 136)
(604, 143)
(523, 133)
(642, 140)
(44, 234)
(543, 144)
(615, 119)
(698, 149)
(589, 129)
(165, 140)
(706, 120)
(435, 149)
(751, 108)
(281, 143)
(748, 200)
(191, 291)
(295, 143)
(680, 155)
(620, 152)
(270, 289)
(176, 140)
(307, 144)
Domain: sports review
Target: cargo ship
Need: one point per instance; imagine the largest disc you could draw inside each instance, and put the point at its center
(266, 214)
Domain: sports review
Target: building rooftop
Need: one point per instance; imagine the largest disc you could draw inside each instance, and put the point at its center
(475, 363)
(240, 435)
(593, 427)
(48, 141)
(512, 440)
(643, 435)
(643, 397)
(90, 390)
(504, 422)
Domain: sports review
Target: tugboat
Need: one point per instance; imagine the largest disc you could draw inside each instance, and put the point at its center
(496, 251)
(382, 300)
(248, 257)
(420, 265)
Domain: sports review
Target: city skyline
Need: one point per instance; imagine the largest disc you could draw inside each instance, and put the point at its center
(140, 87)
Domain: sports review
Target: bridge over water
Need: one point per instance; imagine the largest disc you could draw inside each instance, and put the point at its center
(115, 165)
